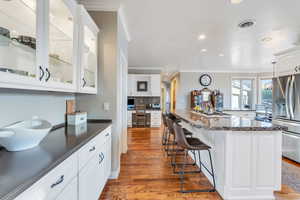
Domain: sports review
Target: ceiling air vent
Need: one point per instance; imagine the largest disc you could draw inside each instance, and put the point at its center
(246, 23)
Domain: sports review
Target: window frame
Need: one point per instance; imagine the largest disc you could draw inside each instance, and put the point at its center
(254, 89)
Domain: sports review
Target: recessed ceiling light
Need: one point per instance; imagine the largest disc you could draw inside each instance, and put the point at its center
(246, 23)
(266, 39)
(236, 1)
(201, 37)
(221, 55)
(204, 50)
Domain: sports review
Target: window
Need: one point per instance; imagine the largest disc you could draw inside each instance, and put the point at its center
(242, 94)
(266, 87)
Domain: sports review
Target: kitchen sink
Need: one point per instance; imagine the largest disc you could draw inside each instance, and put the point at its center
(24, 135)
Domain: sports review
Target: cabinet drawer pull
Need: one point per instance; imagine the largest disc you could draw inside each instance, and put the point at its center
(42, 73)
(92, 149)
(84, 82)
(107, 134)
(49, 75)
(101, 158)
(59, 181)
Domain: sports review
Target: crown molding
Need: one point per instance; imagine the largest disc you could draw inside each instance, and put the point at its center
(101, 5)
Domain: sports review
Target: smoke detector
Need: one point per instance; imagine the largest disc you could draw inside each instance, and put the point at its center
(247, 23)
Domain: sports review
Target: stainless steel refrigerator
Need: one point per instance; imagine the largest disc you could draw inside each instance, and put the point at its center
(286, 112)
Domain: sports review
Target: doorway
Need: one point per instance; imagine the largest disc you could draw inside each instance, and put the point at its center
(173, 94)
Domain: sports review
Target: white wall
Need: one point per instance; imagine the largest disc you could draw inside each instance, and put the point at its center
(16, 105)
(188, 81)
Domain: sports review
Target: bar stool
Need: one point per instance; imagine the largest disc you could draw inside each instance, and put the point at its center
(140, 113)
(175, 148)
(192, 144)
(165, 130)
(171, 136)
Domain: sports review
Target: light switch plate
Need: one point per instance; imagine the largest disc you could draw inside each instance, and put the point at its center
(106, 106)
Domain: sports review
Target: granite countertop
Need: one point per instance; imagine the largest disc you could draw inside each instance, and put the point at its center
(227, 122)
(147, 109)
(20, 170)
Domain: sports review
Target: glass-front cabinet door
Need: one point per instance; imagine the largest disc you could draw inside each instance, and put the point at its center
(62, 45)
(88, 56)
(20, 43)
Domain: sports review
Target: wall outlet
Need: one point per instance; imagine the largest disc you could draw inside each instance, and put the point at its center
(106, 106)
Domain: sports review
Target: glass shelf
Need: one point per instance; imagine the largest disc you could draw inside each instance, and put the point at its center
(17, 58)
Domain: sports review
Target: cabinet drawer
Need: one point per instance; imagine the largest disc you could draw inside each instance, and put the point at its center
(156, 112)
(103, 136)
(53, 183)
(156, 118)
(86, 153)
(155, 123)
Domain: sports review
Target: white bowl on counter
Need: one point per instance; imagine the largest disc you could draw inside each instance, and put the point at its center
(24, 135)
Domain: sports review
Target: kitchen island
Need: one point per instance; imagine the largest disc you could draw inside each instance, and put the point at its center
(246, 153)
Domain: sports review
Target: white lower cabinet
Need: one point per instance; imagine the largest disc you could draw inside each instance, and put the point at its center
(155, 118)
(93, 176)
(129, 118)
(82, 176)
(90, 180)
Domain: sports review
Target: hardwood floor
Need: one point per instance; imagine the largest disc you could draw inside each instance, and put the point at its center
(146, 174)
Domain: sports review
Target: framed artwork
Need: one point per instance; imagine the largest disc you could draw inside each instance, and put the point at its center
(142, 86)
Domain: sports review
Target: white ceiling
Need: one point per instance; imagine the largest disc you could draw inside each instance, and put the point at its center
(164, 33)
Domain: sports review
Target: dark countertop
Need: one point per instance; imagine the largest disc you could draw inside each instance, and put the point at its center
(227, 122)
(20, 170)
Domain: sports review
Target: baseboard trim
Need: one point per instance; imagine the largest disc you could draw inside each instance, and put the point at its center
(115, 174)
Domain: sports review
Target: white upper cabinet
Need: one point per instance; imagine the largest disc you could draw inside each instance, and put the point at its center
(61, 46)
(288, 62)
(47, 45)
(88, 37)
(21, 51)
